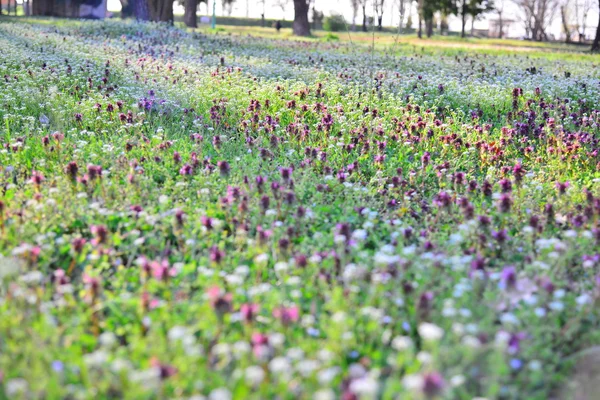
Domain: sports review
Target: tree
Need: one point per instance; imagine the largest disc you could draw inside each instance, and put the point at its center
(190, 8)
(582, 10)
(428, 9)
(537, 16)
(444, 27)
(301, 27)
(379, 11)
(355, 4)
(160, 10)
(363, 5)
(564, 18)
(126, 8)
(262, 16)
(463, 10)
(477, 8)
(228, 5)
(317, 18)
(500, 11)
(401, 12)
(409, 21)
(282, 4)
(474, 8)
(420, 6)
(596, 44)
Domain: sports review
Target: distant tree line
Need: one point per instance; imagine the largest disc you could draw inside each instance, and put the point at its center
(537, 15)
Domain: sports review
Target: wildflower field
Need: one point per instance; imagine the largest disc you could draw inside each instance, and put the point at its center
(196, 216)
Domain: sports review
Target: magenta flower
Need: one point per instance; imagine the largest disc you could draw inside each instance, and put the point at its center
(219, 300)
(216, 255)
(186, 169)
(248, 311)
(433, 384)
(287, 315)
(562, 187)
(508, 277)
(37, 178)
(101, 233)
(162, 270)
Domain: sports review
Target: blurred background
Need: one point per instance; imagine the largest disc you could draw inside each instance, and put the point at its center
(571, 21)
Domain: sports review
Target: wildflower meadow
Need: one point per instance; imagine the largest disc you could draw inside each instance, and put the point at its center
(188, 215)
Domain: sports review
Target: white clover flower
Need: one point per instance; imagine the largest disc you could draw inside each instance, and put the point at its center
(281, 266)
(163, 199)
(294, 281)
(276, 339)
(431, 332)
(535, 365)
(32, 277)
(339, 239)
(338, 317)
(457, 380)
(279, 365)
(509, 319)
(16, 387)
(324, 394)
(95, 359)
(583, 299)
(240, 348)
(261, 259)
(177, 333)
(356, 371)
(359, 234)
(254, 375)
(307, 367)
(295, 353)
(365, 388)
(325, 355)
(402, 343)
(383, 259)
(234, 280)
(413, 382)
(107, 339)
(221, 349)
(242, 270)
(220, 394)
(471, 341)
(424, 357)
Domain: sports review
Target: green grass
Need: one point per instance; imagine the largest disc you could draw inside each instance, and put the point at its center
(244, 214)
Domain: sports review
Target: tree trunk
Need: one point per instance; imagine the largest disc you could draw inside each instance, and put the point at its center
(40, 7)
(379, 23)
(429, 25)
(161, 10)
(126, 9)
(500, 23)
(301, 26)
(401, 12)
(565, 24)
(596, 44)
(463, 23)
(140, 10)
(420, 31)
(364, 24)
(189, 16)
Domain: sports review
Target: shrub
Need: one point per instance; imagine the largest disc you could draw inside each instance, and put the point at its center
(334, 23)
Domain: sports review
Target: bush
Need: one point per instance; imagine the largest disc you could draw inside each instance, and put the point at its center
(330, 37)
(334, 23)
